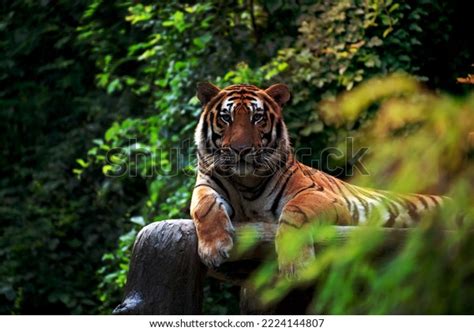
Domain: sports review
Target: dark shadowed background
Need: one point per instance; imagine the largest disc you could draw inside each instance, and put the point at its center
(97, 112)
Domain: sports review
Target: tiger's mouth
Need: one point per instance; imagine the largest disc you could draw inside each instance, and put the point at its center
(232, 159)
(257, 163)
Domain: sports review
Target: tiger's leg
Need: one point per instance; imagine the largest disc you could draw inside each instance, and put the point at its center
(210, 213)
(298, 217)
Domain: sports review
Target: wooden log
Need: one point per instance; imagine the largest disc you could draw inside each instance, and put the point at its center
(166, 275)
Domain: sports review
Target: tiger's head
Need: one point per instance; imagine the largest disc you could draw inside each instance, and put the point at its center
(241, 130)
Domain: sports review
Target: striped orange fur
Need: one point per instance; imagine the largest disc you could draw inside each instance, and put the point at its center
(247, 172)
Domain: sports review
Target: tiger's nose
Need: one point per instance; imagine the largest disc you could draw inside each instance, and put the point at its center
(241, 149)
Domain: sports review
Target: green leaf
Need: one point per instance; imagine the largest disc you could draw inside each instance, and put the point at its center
(106, 169)
(82, 163)
(387, 31)
(114, 86)
(394, 7)
(112, 131)
(138, 220)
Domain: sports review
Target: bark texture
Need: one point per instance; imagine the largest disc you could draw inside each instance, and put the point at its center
(165, 275)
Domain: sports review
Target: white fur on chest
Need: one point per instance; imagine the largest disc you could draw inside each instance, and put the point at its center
(258, 210)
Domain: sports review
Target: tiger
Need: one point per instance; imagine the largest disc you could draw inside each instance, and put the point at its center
(247, 172)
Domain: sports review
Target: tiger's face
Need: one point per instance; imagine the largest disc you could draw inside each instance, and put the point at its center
(241, 131)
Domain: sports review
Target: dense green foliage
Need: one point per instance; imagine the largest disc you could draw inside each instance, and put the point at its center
(93, 88)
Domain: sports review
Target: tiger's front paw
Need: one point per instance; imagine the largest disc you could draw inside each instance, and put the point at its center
(214, 251)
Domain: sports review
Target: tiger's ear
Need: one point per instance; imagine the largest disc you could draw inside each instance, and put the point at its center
(206, 91)
(279, 92)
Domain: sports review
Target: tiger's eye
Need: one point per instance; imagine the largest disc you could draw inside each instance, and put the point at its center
(257, 117)
(226, 118)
